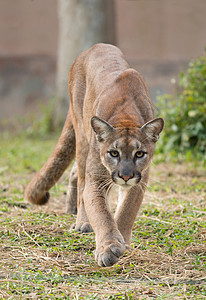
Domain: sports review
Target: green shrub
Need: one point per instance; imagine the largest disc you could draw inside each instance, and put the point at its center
(185, 113)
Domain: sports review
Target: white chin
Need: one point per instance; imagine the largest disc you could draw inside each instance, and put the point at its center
(131, 182)
(120, 181)
(125, 186)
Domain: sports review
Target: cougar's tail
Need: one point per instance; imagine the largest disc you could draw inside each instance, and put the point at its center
(37, 190)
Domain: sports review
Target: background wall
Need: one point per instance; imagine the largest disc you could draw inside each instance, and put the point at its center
(158, 38)
(28, 27)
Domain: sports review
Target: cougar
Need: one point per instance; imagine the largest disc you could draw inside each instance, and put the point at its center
(111, 130)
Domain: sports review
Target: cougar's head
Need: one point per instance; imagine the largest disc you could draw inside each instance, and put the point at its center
(126, 152)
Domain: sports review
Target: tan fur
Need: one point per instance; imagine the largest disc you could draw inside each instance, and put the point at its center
(109, 125)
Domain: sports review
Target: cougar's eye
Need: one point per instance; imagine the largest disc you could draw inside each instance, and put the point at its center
(139, 154)
(114, 153)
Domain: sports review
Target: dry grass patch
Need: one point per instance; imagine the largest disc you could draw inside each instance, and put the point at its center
(40, 258)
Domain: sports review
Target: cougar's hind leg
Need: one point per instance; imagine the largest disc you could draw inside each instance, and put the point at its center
(82, 222)
(71, 198)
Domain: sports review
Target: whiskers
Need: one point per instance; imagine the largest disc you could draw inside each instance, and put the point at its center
(104, 185)
(142, 186)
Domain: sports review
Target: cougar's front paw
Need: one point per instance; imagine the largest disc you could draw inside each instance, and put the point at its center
(82, 227)
(108, 254)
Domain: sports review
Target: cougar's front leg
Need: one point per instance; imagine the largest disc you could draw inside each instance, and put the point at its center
(128, 206)
(110, 244)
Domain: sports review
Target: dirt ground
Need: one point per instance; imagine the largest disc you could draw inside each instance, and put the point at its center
(40, 258)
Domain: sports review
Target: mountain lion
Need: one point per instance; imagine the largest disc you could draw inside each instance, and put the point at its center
(111, 131)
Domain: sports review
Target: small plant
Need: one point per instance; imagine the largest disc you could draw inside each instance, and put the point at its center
(185, 114)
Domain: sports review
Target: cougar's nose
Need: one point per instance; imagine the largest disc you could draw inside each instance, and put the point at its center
(125, 177)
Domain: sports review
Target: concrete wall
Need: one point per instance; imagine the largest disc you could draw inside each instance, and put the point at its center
(161, 29)
(158, 38)
(28, 27)
(28, 49)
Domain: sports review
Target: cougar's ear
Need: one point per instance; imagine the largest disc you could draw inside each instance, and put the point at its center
(153, 128)
(101, 128)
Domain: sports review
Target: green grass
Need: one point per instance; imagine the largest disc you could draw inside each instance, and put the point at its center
(41, 258)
